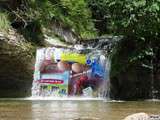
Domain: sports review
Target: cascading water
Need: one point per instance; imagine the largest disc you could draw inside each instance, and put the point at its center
(66, 72)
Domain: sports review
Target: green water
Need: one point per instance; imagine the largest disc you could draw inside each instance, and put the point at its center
(71, 110)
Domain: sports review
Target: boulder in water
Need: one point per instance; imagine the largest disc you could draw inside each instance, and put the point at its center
(138, 116)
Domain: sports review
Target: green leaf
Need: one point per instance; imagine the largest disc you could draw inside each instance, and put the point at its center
(155, 7)
(139, 3)
(112, 3)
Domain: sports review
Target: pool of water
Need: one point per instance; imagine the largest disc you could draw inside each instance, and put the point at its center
(27, 109)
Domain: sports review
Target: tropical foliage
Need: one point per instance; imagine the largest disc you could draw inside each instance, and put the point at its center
(137, 20)
(4, 22)
(73, 14)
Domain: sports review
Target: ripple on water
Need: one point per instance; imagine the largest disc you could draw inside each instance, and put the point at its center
(73, 109)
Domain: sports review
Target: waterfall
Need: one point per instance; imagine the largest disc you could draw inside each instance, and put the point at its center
(71, 72)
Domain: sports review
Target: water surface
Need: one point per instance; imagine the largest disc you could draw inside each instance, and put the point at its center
(22, 109)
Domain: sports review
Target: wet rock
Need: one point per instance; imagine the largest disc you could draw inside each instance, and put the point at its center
(138, 116)
(142, 116)
(102, 43)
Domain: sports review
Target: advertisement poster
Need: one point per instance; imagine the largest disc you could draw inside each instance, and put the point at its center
(63, 72)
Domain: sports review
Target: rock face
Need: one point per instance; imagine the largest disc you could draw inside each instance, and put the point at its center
(16, 65)
(65, 32)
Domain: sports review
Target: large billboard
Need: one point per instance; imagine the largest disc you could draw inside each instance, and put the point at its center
(63, 72)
